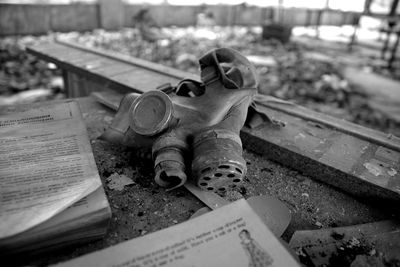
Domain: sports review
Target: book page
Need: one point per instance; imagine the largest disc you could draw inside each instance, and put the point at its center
(46, 165)
(232, 235)
(87, 211)
(94, 202)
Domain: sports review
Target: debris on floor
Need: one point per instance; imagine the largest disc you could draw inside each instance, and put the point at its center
(25, 79)
(118, 181)
(371, 244)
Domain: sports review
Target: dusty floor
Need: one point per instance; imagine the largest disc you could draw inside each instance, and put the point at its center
(144, 207)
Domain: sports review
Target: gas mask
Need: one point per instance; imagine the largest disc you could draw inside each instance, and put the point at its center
(194, 128)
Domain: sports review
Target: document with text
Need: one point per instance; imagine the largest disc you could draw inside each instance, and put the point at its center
(46, 165)
(232, 235)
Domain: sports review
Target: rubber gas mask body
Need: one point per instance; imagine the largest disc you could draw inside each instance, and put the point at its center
(195, 129)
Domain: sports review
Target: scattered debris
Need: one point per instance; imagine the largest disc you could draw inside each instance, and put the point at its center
(318, 224)
(267, 61)
(143, 232)
(118, 181)
(372, 168)
(299, 136)
(392, 172)
(371, 244)
(25, 97)
(25, 79)
(337, 236)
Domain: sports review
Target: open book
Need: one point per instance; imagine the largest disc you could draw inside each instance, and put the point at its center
(232, 235)
(50, 191)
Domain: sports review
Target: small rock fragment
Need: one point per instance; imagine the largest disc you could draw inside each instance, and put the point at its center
(143, 232)
(118, 181)
(337, 236)
(354, 242)
(392, 172)
(372, 168)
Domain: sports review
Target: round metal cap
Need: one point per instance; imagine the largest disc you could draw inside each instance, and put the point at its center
(150, 113)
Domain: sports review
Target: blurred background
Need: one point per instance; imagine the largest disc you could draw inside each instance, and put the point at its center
(338, 57)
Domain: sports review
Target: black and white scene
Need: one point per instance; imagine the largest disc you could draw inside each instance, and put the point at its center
(197, 133)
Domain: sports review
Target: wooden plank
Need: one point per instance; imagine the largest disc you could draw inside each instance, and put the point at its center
(62, 54)
(108, 98)
(96, 74)
(117, 75)
(143, 80)
(362, 132)
(359, 166)
(96, 64)
(80, 61)
(76, 85)
(55, 53)
(135, 61)
(107, 68)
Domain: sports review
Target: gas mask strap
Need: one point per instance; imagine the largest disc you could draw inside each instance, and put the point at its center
(228, 66)
(189, 88)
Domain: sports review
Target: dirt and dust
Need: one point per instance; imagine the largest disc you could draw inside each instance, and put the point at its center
(353, 251)
(143, 207)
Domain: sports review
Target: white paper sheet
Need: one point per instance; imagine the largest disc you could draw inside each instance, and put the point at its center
(46, 164)
(232, 235)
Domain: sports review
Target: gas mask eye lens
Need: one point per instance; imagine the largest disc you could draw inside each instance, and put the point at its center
(150, 113)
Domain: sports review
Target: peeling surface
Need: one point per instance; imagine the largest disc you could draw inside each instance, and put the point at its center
(392, 172)
(299, 136)
(374, 169)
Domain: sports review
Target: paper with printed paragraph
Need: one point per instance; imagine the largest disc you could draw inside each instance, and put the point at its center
(232, 235)
(46, 165)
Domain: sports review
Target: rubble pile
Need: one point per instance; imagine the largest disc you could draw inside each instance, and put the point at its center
(23, 78)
